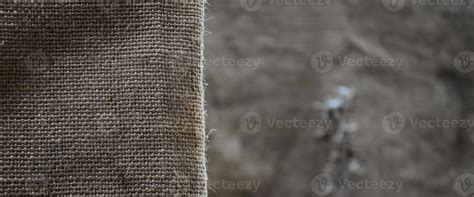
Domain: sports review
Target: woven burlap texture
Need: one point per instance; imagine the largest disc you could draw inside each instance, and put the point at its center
(101, 98)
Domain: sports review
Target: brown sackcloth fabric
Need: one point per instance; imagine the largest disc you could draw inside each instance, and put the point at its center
(101, 98)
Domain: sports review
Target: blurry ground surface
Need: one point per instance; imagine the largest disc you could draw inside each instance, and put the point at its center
(285, 86)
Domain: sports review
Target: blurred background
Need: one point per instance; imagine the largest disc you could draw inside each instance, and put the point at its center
(340, 98)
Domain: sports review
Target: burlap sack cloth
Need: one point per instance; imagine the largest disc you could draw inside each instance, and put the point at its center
(101, 98)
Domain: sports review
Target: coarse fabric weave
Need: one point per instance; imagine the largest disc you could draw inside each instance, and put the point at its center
(101, 98)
